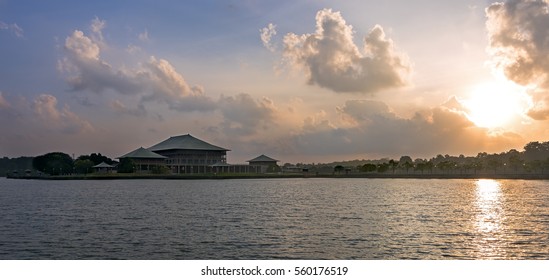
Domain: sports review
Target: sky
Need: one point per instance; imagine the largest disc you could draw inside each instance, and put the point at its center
(299, 81)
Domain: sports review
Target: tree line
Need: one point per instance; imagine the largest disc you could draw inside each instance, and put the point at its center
(20, 164)
(58, 163)
(533, 160)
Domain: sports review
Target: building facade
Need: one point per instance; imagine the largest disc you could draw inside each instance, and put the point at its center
(144, 160)
(266, 163)
(186, 154)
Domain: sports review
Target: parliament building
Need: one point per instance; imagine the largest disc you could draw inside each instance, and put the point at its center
(185, 154)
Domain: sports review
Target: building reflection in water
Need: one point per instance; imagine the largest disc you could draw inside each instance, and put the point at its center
(490, 233)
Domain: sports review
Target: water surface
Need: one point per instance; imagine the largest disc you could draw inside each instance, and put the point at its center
(274, 219)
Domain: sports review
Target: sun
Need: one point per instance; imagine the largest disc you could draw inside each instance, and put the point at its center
(496, 104)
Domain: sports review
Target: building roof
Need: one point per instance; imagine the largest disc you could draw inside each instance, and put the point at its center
(103, 165)
(142, 153)
(185, 142)
(262, 158)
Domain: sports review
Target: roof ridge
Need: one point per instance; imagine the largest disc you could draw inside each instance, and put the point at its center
(185, 142)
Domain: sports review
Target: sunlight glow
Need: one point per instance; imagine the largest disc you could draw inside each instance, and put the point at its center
(489, 205)
(489, 219)
(487, 190)
(496, 104)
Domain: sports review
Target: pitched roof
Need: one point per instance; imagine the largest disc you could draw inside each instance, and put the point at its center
(185, 142)
(142, 153)
(103, 165)
(262, 158)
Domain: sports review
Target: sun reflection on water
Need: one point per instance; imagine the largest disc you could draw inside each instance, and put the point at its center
(489, 218)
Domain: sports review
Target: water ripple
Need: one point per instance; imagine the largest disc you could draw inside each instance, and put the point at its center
(274, 219)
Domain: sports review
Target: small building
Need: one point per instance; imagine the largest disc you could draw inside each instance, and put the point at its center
(145, 160)
(103, 168)
(267, 164)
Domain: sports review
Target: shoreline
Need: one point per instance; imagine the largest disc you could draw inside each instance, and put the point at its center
(284, 176)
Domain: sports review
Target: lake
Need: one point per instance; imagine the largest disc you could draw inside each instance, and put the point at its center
(305, 218)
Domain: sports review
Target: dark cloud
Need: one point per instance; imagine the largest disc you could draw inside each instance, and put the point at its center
(332, 60)
(361, 110)
(519, 40)
(121, 108)
(519, 44)
(377, 130)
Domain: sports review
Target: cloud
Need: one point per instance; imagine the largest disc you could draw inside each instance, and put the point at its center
(97, 27)
(40, 124)
(362, 110)
(120, 108)
(244, 116)
(169, 86)
(87, 71)
(317, 122)
(377, 131)
(64, 120)
(540, 110)
(153, 80)
(519, 44)
(144, 37)
(165, 80)
(12, 27)
(331, 59)
(3, 102)
(81, 47)
(519, 40)
(266, 34)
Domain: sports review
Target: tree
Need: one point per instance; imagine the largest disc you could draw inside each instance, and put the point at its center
(430, 165)
(494, 162)
(8, 165)
(274, 168)
(383, 167)
(536, 151)
(421, 166)
(368, 167)
(83, 166)
(445, 166)
(96, 158)
(55, 163)
(339, 168)
(126, 166)
(406, 162)
(477, 165)
(515, 161)
(535, 165)
(545, 165)
(393, 165)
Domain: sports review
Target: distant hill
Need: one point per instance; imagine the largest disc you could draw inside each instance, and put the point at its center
(11, 164)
